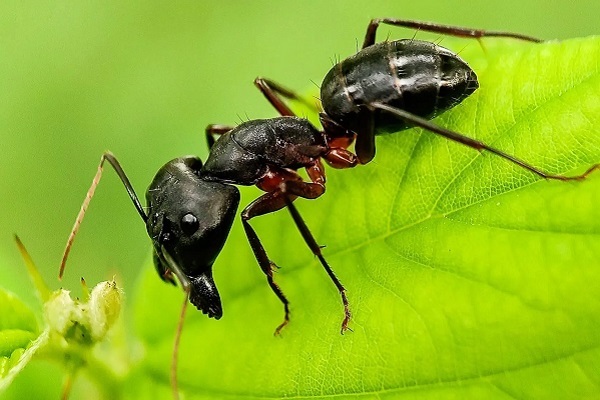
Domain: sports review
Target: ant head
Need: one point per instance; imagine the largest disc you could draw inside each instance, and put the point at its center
(188, 221)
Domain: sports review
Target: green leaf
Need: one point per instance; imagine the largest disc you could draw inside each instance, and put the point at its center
(72, 329)
(468, 277)
(11, 366)
(19, 338)
(18, 324)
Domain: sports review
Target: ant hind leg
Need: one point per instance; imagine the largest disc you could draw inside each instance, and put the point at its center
(439, 28)
(476, 144)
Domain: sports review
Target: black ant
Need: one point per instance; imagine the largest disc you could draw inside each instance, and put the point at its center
(385, 87)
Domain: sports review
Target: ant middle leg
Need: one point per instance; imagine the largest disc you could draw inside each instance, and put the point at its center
(288, 190)
(439, 28)
(275, 93)
(300, 189)
(278, 196)
(476, 144)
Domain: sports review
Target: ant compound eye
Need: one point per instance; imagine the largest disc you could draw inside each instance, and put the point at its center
(189, 224)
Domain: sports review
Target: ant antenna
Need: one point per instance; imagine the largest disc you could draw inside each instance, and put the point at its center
(175, 355)
(186, 285)
(112, 160)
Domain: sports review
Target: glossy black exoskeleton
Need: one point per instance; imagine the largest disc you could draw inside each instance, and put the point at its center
(189, 219)
(419, 77)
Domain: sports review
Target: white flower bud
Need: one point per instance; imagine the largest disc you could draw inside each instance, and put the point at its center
(103, 308)
(87, 322)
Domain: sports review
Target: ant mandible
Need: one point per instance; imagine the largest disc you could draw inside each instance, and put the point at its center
(384, 87)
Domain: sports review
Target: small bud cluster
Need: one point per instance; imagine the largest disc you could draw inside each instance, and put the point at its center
(84, 322)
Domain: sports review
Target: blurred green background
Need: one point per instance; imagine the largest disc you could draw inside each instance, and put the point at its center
(143, 79)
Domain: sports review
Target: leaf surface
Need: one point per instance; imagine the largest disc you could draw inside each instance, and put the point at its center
(17, 324)
(19, 338)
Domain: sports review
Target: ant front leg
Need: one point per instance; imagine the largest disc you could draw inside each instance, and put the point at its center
(275, 93)
(338, 140)
(439, 28)
(265, 204)
(213, 130)
(476, 144)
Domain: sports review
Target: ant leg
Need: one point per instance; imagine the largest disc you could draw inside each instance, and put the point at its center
(274, 200)
(112, 160)
(316, 173)
(439, 28)
(265, 204)
(476, 144)
(365, 139)
(340, 158)
(213, 130)
(338, 140)
(288, 190)
(335, 134)
(302, 189)
(274, 93)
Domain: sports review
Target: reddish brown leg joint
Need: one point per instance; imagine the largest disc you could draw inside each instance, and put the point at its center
(341, 158)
